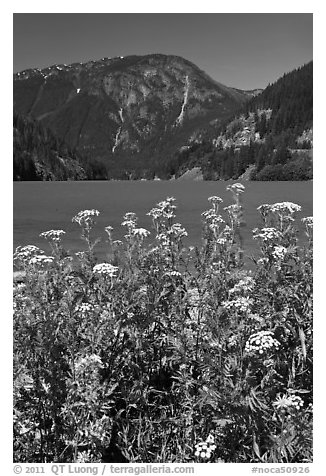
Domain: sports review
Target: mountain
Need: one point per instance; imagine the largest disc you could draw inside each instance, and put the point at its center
(270, 137)
(130, 114)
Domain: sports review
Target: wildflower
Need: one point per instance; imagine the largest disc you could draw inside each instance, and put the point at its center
(85, 215)
(266, 234)
(261, 342)
(53, 235)
(284, 208)
(108, 230)
(268, 362)
(264, 209)
(209, 214)
(242, 304)
(216, 222)
(163, 239)
(84, 456)
(232, 209)
(279, 252)
(41, 260)
(236, 188)
(215, 200)
(85, 218)
(84, 308)
(204, 449)
(243, 286)
(177, 230)
(130, 216)
(81, 255)
(105, 269)
(117, 242)
(173, 274)
(141, 233)
(130, 220)
(235, 213)
(288, 402)
(154, 213)
(25, 253)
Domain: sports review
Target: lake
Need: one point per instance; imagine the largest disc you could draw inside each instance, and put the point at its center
(42, 206)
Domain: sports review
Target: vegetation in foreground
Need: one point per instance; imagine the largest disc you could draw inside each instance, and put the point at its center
(166, 353)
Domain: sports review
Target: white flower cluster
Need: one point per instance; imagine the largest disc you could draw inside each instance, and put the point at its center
(288, 402)
(233, 209)
(25, 253)
(262, 342)
(216, 223)
(105, 269)
(108, 229)
(281, 208)
(222, 241)
(140, 233)
(164, 209)
(245, 285)
(85, 218)
(209, 214)
(235, 214)
(177, 231)
(163, 239)
(81, 255)
(242, 304)
(173, 274)
(264, 209)
(266, 234)
(41, 260)
(53, 235)
(84, 308)
(285, 208)
(204, 449)
(129, 220)
(236, 188)
(279, 252)
(215, 200)
(84, 456)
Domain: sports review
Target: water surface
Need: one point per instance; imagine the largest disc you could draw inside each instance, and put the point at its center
(42, 206)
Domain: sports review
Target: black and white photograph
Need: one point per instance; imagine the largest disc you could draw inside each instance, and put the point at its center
(162, 240)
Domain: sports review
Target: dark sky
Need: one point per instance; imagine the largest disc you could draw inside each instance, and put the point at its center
(244, 50)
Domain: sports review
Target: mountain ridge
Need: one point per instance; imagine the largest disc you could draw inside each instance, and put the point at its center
(124, 108)
(140, 117)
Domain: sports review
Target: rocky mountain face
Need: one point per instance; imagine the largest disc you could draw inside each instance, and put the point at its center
(270, 138)
(130, 113)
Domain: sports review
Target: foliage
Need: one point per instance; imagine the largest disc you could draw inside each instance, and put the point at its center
(166, 353)
(290, 104)
(40, 155)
